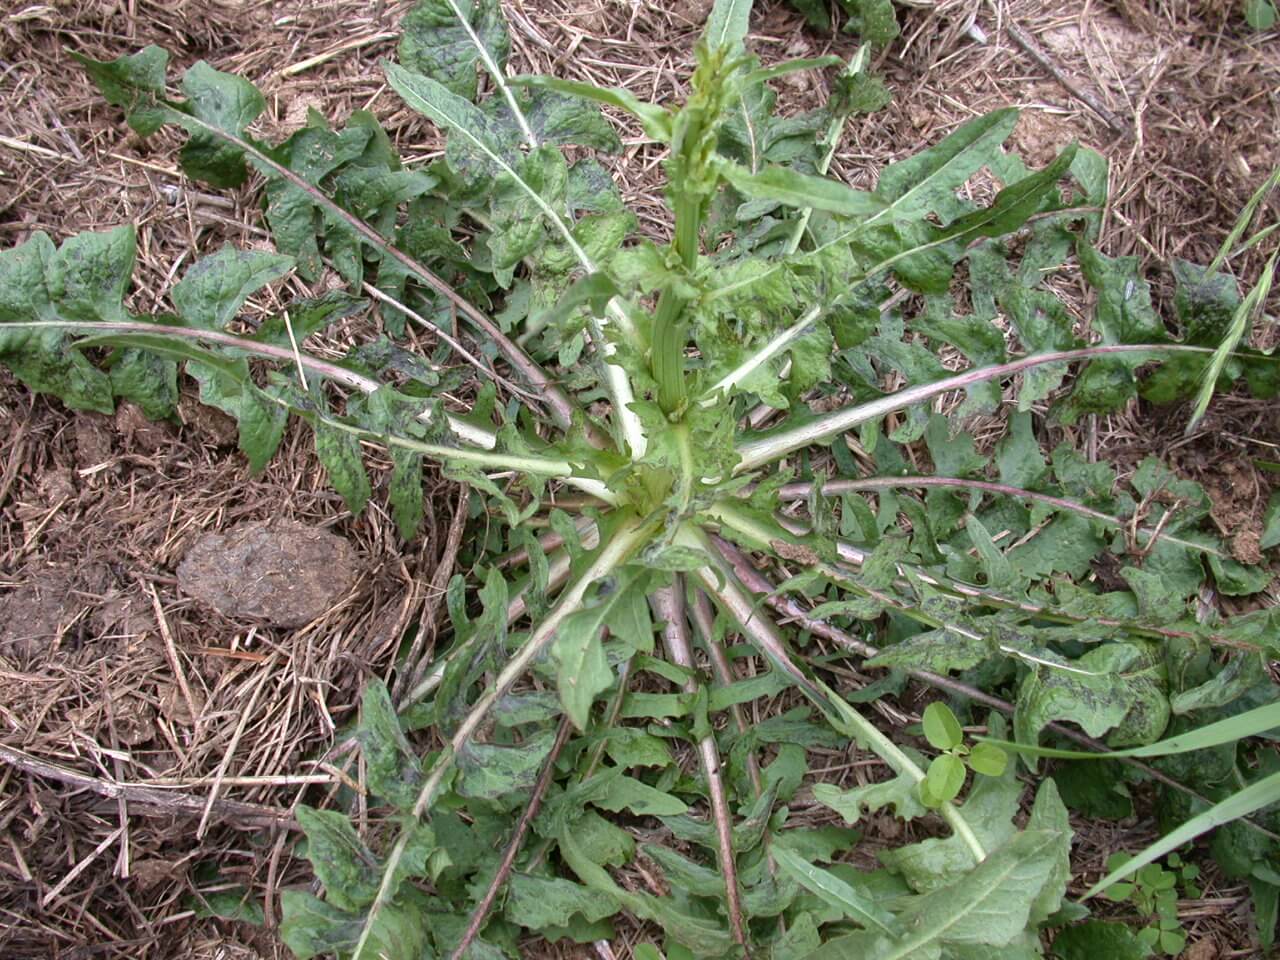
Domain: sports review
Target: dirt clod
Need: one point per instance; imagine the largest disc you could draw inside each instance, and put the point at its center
(37, 613)
(282, 573)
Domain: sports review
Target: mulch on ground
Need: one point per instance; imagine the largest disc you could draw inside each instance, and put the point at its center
(152, 746)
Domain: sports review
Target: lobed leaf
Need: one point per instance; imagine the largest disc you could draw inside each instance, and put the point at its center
(441, 40)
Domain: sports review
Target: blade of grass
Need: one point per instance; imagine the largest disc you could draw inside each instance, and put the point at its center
(1252, 798)
(793, 610)
(1243, 318)
(1251, 723)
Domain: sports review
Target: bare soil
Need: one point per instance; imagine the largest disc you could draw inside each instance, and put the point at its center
(162, 703)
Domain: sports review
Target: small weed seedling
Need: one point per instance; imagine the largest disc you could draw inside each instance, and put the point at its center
(945, 776)
(1154, 893)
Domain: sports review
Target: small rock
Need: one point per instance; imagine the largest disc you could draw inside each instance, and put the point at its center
(148, 873)
(34, 616)
(141, 433)
(173, 704)
(1201, 950)
(279, 572)
(209, 423)
(94, 436)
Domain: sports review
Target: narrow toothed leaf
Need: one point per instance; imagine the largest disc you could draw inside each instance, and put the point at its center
(216, 287)
(230, 104)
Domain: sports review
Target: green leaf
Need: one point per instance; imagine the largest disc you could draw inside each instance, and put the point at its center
(996, 568)
(992, 903)
(629, 747)
(90, 273)
(826, 885)
(953, 647)
(227, 102)
(537, 903)
(1172, 942)
(1098, 938)
(519, 231)
(340, 859)
(941, 728)
(1098, 692)
(1067, 545)
(311, 927)
(451, 113)
(684, 874)
(628, 793)
(339, 452)
(602, 840)
(1205, 305)
(1018, 455)
(703, 936)
(1271, 523)
(1049, 814)
(314, 153)
(787, 67)
(582, 669)
(44, 360)
(489, 771)
(800, 940)
(655, 120)
(915, 186)
(1237, 580)
(748, 833)
(24, 291)
(1124, 314)
(134, 82)
(560, 120)
(953, 456)
(988, 760)
(233, 904)
(1261, 14)
(261, 421)
(898, 792)
(727, 24)
(394, 770)
(394, 414)
(147, 379)
(216, 287)
(435, 42)
(800, 190)
(754, 134)
(1014, 204)
(989, 809)
(875, 21)
(989, 906)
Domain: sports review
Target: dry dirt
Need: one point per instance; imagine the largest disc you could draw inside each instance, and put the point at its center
(116, 670)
